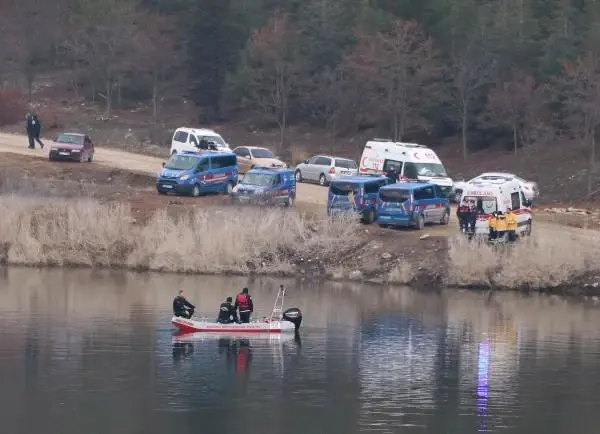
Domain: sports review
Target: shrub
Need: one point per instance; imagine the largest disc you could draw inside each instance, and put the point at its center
(12, 108)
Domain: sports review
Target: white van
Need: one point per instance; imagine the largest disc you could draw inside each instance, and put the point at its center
(193, 139)
(498, 195)
(412, 161)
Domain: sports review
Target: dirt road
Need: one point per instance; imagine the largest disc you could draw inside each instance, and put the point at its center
(306, 193)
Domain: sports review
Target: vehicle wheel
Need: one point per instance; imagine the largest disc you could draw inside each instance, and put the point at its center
(322, 180)
(162, 192)
(298, 176)
(90, 158)
(50, 156)
(196, 191)
(369, 216)
(174, 152)
(445, 219)
(289, 202)
(383, 226)
(229, 188)
(420, 223)
(528, 228)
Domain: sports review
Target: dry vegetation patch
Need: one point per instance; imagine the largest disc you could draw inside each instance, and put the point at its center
(209, 240)
(549, 259)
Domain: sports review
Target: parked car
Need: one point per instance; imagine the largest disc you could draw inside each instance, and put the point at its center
(412, 203)
(250, 156)
(194, 139)
(72, 146)
(266, 185)
(195, 173)
(356, 194)
(530, 188)
(324, 169)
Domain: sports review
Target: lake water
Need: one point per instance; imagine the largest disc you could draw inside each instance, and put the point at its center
(93, 352)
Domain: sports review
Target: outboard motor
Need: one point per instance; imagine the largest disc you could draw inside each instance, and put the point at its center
(294, 316)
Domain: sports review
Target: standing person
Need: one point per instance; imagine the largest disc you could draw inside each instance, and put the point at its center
(29, 129)
(243, 302)
(37, 130)
(501, 226)
(492, 221)
(182, 307)
(392, 174)
(511, 225)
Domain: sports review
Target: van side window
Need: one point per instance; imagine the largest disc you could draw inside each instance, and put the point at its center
(202, 165)
(410, 171)
(515, 200)
(193, 140)
(388, 163)
(277, 180)
(322, 161)
(372, 187)
(181, 137)
(438, 191)
(424, 193)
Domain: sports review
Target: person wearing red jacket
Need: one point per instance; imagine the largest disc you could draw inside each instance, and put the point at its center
(243, 302)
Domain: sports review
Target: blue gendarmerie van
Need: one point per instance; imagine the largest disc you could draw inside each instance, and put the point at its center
(196, 173)
(412, 203)
(355, 194)
(266, 185)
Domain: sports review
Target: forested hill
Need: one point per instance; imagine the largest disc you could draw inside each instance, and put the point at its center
(521, 70)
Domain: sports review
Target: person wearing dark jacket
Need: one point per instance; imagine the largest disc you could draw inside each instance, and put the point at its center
(243, 302)
(34, 129)
(392, 174)
(182, 307)
(227, 312)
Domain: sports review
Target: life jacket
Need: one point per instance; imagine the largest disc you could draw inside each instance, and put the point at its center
(511, 221)
(501, 224)
(243, 301)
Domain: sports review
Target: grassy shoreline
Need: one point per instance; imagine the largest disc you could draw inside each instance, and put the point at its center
(216, 240)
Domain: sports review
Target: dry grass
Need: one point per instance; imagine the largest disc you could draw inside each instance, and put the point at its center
(550, 258)
(211, 240)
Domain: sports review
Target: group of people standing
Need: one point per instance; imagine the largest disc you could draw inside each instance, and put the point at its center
(502, 225)
(229, 312)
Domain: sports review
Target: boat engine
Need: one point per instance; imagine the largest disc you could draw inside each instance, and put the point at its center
(293, 315)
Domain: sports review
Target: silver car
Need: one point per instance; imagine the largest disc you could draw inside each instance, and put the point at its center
(324, 169)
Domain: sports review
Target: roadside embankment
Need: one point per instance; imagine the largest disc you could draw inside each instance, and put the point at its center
(227, 239)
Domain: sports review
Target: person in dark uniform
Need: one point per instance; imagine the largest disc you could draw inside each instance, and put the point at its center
(34, 129)
(243, 302)
(227, 312)
(392, 174)
(182, 307)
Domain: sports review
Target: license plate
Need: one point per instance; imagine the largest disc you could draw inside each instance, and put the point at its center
(345, 172)
(167, 186)
(64, 153)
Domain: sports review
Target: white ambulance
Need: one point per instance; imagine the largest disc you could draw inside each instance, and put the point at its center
(412, 161)
(498, 195)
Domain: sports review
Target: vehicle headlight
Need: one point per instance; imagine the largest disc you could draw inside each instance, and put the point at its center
(184, 177)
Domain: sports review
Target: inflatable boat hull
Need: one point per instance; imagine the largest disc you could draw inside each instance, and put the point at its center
(261, 326)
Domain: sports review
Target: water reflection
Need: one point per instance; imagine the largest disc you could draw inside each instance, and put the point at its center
(78, 345)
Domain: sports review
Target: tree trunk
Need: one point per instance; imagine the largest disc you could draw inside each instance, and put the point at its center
(282, 126)
(154, 93)
(464, 124)
(108, 95)
(515, 136)
(592, 170)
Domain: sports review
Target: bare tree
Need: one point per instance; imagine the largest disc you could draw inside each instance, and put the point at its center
(394, 68)
(517, 104)
(268, 71)
(579, 91)
(471, 69)
(103, 39)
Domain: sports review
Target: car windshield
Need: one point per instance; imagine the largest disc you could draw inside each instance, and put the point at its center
(486, 205)
(394, 195)
(431, 169)
(345, 164)
(343, 189)
(181, 162)
(260, 179)
(72, 139)
(262, 153)
(215, 139)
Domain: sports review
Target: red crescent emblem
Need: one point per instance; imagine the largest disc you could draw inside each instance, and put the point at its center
(415, 155)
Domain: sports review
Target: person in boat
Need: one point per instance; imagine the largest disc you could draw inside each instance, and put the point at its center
(182, 307)
(227, 312)
(243, 302)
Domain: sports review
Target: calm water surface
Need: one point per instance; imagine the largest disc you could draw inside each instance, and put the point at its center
(93, 352)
